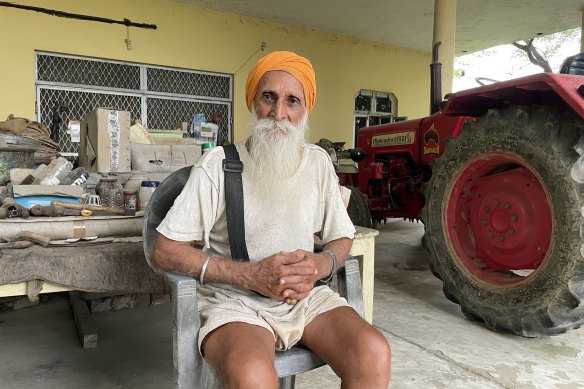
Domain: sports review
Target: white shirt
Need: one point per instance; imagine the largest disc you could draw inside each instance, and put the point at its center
(307, 203)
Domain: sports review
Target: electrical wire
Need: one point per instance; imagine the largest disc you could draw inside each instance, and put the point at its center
(63, 14)
(262, 47)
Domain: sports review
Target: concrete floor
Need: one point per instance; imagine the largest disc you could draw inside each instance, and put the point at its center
(433, 345)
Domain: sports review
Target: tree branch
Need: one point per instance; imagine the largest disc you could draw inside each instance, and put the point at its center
(534, 55)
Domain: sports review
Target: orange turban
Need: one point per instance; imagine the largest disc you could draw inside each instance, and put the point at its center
(299, 67)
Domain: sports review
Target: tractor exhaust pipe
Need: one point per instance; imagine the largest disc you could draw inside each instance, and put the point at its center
(435, 80)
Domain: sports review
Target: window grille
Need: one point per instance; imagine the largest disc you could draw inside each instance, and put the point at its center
(188, 83)
(81, 71)
(159, 96)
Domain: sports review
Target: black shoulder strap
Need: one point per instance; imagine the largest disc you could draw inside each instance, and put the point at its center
(232, 168)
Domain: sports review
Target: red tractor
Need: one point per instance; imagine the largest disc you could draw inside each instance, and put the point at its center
(494, 174)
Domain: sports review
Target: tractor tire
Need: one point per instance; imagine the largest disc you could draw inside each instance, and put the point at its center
(358, 209)
(503, 218)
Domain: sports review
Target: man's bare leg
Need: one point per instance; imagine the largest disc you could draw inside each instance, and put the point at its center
(357, 352)
(243, 355)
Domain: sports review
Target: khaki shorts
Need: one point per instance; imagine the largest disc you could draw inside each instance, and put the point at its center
(219, 306)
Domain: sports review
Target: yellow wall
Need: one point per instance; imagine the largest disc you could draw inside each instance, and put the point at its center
(198, 38)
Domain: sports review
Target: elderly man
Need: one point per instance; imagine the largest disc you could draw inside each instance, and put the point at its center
(249, 309)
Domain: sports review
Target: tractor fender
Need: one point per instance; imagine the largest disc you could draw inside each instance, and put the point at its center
(544, 89)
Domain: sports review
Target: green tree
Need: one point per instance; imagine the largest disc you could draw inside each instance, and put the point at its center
(539, 49)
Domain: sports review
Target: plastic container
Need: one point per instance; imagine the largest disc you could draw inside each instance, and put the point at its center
(146, 190)
(75, 177)
(130, 202)
(207, 146)
(44, 200)
(56, 171)
(195, 127)
(40, 173)
(110, 192)
(135, 181)
(39, 170)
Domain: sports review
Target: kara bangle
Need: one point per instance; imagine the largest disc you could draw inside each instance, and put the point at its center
(204, 268)
(333, 256)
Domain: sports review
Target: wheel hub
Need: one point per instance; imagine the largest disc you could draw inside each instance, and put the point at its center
(498, 216)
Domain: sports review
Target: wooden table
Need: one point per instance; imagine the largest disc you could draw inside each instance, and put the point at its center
(20, 289)
(363, 249)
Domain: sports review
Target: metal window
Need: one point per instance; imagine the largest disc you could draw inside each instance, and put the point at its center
(78, 102)
(371, 108)
(158, 96)
(165, 112)
(83, 71)
(188, 83)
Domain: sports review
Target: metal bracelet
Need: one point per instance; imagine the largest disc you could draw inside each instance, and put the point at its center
(333, 256)
(204, 268)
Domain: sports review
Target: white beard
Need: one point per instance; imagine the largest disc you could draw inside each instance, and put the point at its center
(276, 149)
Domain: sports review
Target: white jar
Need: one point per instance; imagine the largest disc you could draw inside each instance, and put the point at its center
(146, 190)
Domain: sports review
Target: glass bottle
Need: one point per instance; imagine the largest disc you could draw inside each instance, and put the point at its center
(110, 192)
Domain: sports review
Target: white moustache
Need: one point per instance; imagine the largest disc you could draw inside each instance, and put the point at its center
(271, 125)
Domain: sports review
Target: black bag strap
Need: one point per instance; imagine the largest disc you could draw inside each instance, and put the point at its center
(232, 168)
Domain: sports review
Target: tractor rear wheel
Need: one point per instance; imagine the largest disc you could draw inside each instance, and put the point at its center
(502, 221)
(358, 209)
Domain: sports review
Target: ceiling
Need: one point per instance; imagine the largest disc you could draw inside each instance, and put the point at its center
(408, 23)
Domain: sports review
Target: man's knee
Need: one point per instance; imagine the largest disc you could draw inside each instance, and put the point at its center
(249, 371)
(369, 361)
(374, 348)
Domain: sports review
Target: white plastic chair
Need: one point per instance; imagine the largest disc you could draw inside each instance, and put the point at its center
(190, 369)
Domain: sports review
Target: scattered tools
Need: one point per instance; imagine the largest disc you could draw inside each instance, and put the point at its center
(24, 239)
(71, 212)
(13, 210)
(79, 242)
(16, 245)
(99, 208)
(49, 210)
(53, 211)
(32, 237)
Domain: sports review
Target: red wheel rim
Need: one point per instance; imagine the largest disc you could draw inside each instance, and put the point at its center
(498, 219)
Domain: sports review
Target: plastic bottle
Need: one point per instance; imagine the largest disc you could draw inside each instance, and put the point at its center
(195, 128)
(46, 175)
(40, 173)
(40, 168)
(146, 190)
(57, 170)
(75, 177)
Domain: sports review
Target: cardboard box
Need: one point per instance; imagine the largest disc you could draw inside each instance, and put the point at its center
(30, 195)
(163, 158)
(174, 141)
(105, 141)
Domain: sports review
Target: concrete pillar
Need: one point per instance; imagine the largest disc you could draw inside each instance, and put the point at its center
(582, 32)
(444, 31)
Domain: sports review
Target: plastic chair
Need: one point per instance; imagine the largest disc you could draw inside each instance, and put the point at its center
(190, 369)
